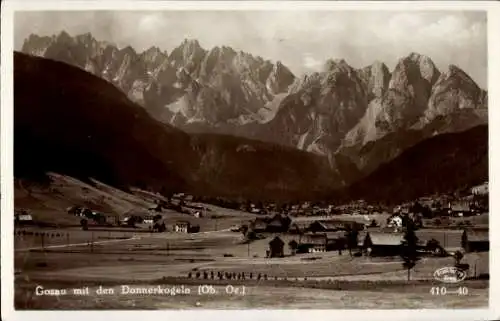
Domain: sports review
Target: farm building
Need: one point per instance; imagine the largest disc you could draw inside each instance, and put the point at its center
(276, 247)
(382, 244)
(352, 225)
(322, 242)
(258, 225)
(312, 243)
(278, 224)
(80, 211)
(275, 224)
(182, 226)
(325, 226)
(333, 225)
(112, 219)
(298, 227)
(149, 219)
(482, 189)
(336, 240)
(461, 208)
(23, 217)
(475, 241)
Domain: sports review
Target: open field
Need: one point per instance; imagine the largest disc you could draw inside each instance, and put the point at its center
(148, 259)
(380, 218)
(112, 256)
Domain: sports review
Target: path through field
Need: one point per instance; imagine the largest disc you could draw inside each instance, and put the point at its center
(134, 237)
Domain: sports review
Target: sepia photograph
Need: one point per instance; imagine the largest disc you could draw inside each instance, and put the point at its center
(257, 158)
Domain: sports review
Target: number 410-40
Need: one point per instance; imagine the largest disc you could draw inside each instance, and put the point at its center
(441, 290)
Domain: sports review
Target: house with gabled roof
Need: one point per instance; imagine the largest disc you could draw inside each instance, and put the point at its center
(298, 227)
(312, 243)
(382, 244)
(475, 241)
(182, 226)
(258, 225)
(276, 246)
(325, 226)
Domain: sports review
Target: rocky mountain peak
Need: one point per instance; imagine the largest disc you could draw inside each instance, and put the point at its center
(336, 64)
(36, 45)
(280, 78)
(129, 51)
(153, 58)
(414, 56)
(85, 37)
(153, 51)
(190, 47)
(456, 73)
(376, 78)
(412, 69)
(396, 100)
(63, 37)
(453, 92)
(189, 54)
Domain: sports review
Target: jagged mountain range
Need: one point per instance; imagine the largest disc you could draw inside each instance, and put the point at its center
(71, 122)
(68, 121)
(364, 117)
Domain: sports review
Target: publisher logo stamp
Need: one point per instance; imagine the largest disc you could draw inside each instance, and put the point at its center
(450, 274)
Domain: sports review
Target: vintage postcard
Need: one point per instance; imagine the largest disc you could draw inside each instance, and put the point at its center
(270, 155)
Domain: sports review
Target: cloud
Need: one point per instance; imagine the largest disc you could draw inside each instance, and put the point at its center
(150, 22)
(312, 63)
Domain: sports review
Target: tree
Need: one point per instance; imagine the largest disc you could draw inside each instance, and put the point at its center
(84, 224)
(458, 256)
(416, 208)
(427, 212)
(409, 248)
(464, 240)
(244, 229)
(352, 237)
(286, 222)
(418, 219)
(293, 245)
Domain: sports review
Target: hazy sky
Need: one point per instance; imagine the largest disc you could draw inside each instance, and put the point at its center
(302, 40)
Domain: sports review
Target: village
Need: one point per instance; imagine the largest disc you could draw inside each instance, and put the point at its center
(190, 239)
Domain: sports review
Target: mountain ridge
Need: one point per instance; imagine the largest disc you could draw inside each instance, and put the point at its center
(335, 112)
(72, 122)
(441, 164)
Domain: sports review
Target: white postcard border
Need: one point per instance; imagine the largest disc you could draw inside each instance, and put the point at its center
(7, 206)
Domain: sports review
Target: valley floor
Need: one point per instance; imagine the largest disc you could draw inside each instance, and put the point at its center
(112, 257)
